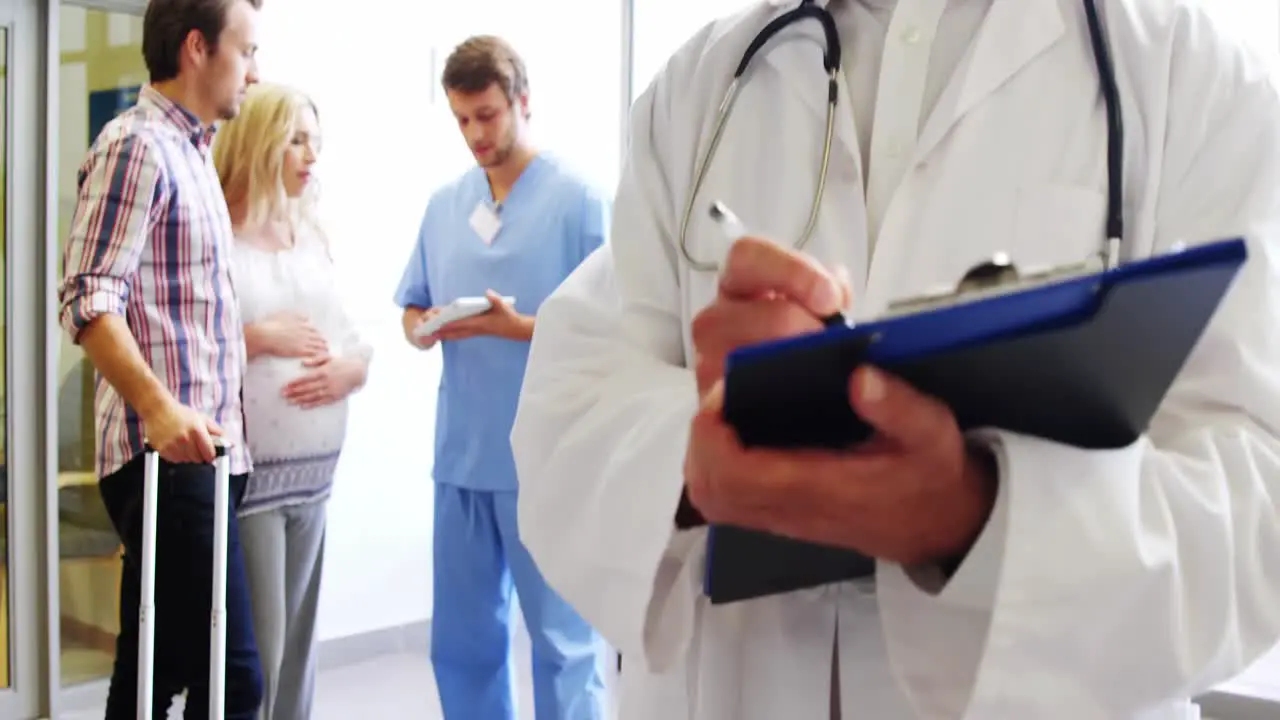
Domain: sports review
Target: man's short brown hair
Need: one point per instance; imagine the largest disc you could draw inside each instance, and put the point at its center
(167, 23)
(482, 61)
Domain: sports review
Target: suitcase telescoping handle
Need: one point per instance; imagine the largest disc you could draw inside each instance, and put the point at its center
(147, 605)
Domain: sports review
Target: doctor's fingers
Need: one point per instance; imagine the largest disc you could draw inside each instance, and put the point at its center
(784, 493)
(900, 412)
(726, 325)
(759, 268)
(753, 488)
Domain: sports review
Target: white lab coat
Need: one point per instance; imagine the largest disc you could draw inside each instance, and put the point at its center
(1107, 584)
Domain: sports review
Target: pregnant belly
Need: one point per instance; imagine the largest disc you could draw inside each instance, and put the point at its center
(277, 429)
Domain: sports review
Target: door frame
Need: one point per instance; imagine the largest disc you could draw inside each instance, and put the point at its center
(626, 47)
(27, 694)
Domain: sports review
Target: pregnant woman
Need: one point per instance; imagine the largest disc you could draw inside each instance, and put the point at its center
(305, 359)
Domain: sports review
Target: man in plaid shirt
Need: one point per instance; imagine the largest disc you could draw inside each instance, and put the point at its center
(147, 293)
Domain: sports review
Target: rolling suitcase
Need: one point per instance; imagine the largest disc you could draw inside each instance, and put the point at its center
(147, 606)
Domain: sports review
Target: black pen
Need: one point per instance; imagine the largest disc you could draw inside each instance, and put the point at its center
(835, 320)
(733, 229)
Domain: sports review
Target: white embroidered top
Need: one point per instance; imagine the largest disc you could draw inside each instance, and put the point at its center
(294, 450)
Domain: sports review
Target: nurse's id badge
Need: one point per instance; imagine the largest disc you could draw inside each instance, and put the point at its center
(485, 222)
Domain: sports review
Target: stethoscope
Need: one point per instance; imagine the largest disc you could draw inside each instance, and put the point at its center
(1110, 250)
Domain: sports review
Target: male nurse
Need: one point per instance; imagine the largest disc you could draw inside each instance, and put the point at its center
(514, 227)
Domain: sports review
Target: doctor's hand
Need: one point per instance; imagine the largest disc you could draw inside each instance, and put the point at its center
(767, 292)
(501, 320)
(914, 493)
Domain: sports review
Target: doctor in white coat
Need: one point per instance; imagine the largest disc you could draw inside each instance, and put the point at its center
(1090, 585)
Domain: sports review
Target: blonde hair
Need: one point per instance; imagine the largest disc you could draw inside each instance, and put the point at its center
(249, 150)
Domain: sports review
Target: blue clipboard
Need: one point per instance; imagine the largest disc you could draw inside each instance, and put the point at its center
(1084, 360)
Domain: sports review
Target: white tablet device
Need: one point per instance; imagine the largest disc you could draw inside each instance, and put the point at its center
(458, 309)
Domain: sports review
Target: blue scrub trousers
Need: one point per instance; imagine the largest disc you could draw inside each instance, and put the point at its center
(478, 559)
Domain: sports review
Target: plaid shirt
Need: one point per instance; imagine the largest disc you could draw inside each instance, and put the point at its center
(151, 241)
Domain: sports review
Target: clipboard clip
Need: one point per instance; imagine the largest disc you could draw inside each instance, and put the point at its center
(997, 271)
(990, 278)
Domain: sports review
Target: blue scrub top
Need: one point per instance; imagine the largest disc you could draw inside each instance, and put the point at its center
(551, 221)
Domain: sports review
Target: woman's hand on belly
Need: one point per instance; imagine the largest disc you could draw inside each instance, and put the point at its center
(285, 335)
(327, 380)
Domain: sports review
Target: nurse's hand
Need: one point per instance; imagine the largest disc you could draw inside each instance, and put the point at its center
(412, 318)
(915, 493)
(501, 321)
(767, 292)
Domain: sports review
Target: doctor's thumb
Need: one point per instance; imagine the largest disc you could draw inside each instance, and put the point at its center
(896, 409)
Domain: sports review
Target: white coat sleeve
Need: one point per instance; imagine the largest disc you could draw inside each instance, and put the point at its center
(1110, 582)
(603, 421)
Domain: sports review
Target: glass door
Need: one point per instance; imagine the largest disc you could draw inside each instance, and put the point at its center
(98, 46)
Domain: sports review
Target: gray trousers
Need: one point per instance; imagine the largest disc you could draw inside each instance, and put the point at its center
(284, 554)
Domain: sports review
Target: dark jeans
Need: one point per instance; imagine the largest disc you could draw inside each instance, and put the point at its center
(184, 590)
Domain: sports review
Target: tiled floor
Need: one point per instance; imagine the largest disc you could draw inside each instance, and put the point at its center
(388, 688)
(84, 665)
(394, 686)
(402, 686)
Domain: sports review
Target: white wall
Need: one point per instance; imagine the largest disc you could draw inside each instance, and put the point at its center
(1256, 22)
(389, 140)
(660, 27)
(376, 173)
